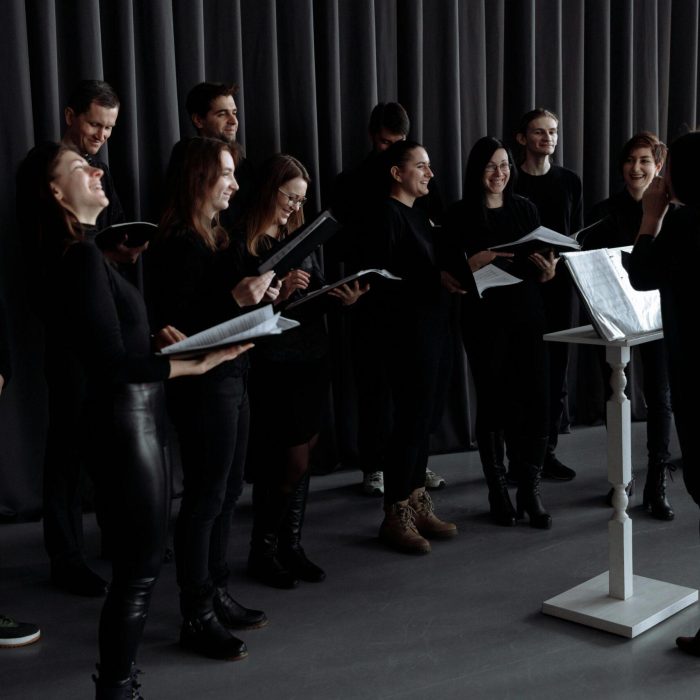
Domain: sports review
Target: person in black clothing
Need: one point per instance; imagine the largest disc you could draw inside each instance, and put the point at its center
(618, 219)
(502, 330)
(408, 320)
(102, 321)
(356, 194)
(292, 370)
(192, 285)
(557, 194)
(12, 633)
(665, 257)
(214, 114)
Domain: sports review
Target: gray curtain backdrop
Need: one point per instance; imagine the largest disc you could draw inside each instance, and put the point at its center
(310, 72)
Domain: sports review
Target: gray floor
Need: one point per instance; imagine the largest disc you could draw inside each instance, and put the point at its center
(462, 622)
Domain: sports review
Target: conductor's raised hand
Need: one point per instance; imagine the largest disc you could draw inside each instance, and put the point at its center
(485, 257)
(293, 280)
(349, 293)
(251, 290)
(656, 199)
(547, 265)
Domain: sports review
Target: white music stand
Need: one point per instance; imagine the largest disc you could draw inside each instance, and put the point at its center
(617, 601)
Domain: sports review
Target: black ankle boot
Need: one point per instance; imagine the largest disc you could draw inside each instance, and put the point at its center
(289, 550)
(528, 499)
(233, 615)
(655, 500)
(205, 635)
(491, 453)
(127, 689)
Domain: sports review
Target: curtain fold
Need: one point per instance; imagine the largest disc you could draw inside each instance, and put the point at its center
(309, 73)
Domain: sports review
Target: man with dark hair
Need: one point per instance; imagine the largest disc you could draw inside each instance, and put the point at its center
(356, 193)
(214, 114)
(557, 194)
(90, 114)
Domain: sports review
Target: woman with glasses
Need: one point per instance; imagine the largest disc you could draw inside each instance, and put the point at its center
(100, 319)
(193, 286)
(289, 383)
(502, 330)
(409, 321)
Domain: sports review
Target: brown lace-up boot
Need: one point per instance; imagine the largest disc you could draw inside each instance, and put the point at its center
(398, 530)
(427, 523)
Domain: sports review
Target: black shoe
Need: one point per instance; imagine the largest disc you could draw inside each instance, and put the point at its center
(690, 645)
(78, 579)
(299, 565)
(127, 689)
(205, 635)
(266, 568)
(655, 499)
(554, 469)
(233, 615)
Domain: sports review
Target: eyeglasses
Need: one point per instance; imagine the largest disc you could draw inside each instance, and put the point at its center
(294, 200)
(504, 167)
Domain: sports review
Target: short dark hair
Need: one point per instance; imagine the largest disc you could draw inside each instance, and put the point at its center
(396, 155)
(390, 116)
(88, 91)
(644, 139)
(200, 97)
(532, 115)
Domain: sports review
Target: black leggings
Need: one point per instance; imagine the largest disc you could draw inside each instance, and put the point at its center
(134, 487)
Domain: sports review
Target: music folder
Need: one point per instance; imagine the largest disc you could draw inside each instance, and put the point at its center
(540, 240)
(132, 234)
(289, 253)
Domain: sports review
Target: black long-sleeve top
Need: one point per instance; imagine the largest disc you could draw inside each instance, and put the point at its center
(188, 286)
(5, 364)
(617, 222)
(103, 320)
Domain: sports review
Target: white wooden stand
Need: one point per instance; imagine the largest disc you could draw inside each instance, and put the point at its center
(617, 601)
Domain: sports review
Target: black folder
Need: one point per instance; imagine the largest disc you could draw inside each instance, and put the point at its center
(133, 234)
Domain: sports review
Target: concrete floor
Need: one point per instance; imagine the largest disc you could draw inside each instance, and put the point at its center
(462, 622)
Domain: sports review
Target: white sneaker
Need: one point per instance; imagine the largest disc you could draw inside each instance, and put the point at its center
(433, 481)
(373, 484)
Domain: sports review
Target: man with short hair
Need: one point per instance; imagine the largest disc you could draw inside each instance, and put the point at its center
(557, 194)
(214, 115)
(91, 114)
(356, 194)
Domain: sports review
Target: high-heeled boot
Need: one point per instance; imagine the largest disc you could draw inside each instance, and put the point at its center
(655, 499)
(269, 509)
(290, 553)
(528, 499)
(203, 633)
(491, 453)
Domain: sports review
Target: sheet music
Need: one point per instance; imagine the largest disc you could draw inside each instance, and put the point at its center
(263, 321)
(616, 309)
(492, 276)
(543, 235)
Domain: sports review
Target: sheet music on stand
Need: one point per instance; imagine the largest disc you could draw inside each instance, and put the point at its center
(300, 244)
(617, 310)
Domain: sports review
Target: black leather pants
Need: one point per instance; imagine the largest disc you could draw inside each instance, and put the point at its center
(134, 486)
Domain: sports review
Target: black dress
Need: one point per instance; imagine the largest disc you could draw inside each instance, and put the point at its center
(502, 331)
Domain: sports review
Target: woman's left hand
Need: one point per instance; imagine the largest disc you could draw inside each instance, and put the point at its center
(349, 293)
(546, 265)
(167, 336)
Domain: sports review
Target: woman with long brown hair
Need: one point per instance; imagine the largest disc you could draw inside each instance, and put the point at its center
(193, 286)
(293, 368)
(100, 318)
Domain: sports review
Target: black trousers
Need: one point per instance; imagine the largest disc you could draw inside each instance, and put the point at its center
(134, 487)
(211, 415)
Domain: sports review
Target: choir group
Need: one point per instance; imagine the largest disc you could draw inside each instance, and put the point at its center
(256, 414)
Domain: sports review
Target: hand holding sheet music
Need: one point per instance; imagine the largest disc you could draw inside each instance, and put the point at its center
(260, 323)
